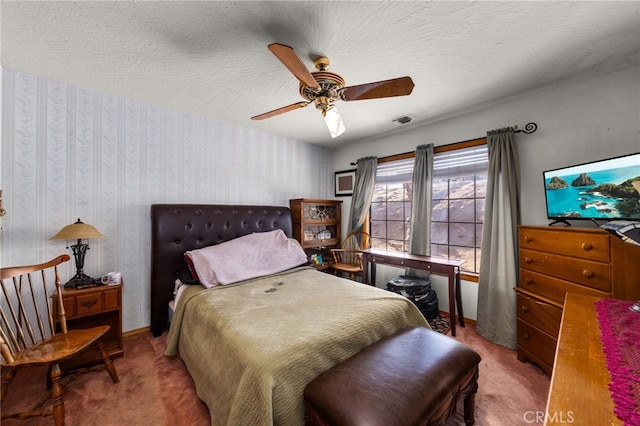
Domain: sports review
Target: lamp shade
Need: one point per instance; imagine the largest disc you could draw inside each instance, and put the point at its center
(77, 231)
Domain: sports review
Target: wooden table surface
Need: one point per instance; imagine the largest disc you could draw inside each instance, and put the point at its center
(579, 393)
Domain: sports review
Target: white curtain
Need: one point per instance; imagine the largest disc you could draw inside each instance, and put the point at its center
(499, 261)
(421, 205)
(362, 192)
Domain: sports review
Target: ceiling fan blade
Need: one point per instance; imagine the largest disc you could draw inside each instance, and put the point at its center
(280, 110)
(380, 89)
(288, 57)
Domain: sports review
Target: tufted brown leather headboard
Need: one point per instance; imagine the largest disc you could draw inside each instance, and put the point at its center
(176, 228)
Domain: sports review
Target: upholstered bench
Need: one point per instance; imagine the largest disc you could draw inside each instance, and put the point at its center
(413, 377)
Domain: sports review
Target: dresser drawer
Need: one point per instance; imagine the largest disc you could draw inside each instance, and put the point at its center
(81, 303)
(112, 299)
(593, 274)
(539, 313)
(87, 304)
(554, 288)
(585, 245)
(537, 342)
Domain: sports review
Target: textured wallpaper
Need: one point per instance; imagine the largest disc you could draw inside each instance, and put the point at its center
(69, 152)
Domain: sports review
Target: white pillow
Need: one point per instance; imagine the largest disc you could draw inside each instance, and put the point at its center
(243, 258)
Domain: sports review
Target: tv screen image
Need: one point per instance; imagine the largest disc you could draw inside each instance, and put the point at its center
(600, 190)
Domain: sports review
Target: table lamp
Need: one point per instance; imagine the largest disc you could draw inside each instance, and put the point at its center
(79, 231)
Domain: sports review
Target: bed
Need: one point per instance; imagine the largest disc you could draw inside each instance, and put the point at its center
(251, 347)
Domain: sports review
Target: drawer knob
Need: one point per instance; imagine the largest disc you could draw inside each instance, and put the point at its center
(528, 260)
(528, 239)
(526, 336)
(89, 303)
(525, 309)
(586, 246)
(528, 280)
(587, 273)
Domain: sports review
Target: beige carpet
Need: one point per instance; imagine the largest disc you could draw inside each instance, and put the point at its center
(157, 390)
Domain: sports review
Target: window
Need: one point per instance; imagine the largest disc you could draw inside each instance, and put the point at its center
(459, 187)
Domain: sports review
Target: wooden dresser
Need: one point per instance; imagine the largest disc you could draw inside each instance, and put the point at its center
(554, 261)
(579, 392)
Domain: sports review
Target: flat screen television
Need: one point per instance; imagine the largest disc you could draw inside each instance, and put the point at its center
(600, 190)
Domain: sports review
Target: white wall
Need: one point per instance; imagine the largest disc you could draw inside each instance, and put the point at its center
(578, 121)
(70, 152)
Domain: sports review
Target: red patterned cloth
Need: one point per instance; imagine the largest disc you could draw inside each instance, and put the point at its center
(620, 335)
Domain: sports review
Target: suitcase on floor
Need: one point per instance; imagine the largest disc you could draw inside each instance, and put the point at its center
(418, 290)
(410, 285)
(427, 303)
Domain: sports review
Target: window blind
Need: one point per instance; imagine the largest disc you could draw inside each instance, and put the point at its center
(460, 162)
(395, 171)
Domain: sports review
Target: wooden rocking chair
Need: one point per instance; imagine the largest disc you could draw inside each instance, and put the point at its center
(30, 335)
(348, 258)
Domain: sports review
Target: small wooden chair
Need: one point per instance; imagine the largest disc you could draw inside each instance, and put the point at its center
(348, 258)
(30, 335)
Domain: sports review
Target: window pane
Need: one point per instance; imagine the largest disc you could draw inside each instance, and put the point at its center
(440, 210)
(395, 230)
(378, 211)
(479, 235)
(440, 189)
(379, 243)
(462, 187)
(462, 210)
(395, 210)
(407, 187)
(467, 254)
(439, 250)
(481, 186)
(378, 229)
(462, 234)
(395, 192)
(439, 233)
(379, 193)
(395, 245)
(407, 233)
(480, 210)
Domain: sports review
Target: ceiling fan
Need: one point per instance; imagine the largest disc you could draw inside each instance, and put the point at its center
(324, 88)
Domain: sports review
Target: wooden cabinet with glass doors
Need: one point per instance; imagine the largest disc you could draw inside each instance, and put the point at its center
(316, 225)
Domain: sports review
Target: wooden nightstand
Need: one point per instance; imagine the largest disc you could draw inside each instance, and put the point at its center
(91, 307)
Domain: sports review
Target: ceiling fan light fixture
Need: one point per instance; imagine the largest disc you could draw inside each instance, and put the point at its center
(333, 121)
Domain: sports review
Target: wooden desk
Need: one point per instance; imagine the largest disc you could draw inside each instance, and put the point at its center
(580, 379)
(436, 265)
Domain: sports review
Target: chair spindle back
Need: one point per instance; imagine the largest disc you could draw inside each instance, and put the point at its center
(26, 306)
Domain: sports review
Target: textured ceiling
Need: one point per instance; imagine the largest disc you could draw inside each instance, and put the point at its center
(211, 58)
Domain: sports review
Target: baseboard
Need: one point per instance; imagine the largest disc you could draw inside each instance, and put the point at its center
(136, 332)
(466, 320)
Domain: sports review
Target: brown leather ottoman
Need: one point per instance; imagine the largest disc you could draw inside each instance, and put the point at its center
(413, 377)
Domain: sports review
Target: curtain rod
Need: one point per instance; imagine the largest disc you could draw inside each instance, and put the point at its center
(528, 129)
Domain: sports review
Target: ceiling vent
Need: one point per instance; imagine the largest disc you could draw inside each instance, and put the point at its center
(405, 119)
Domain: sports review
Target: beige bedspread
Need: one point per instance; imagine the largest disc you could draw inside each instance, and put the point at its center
(251, 348)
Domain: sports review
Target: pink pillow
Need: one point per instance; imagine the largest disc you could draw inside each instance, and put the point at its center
(243, 258)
